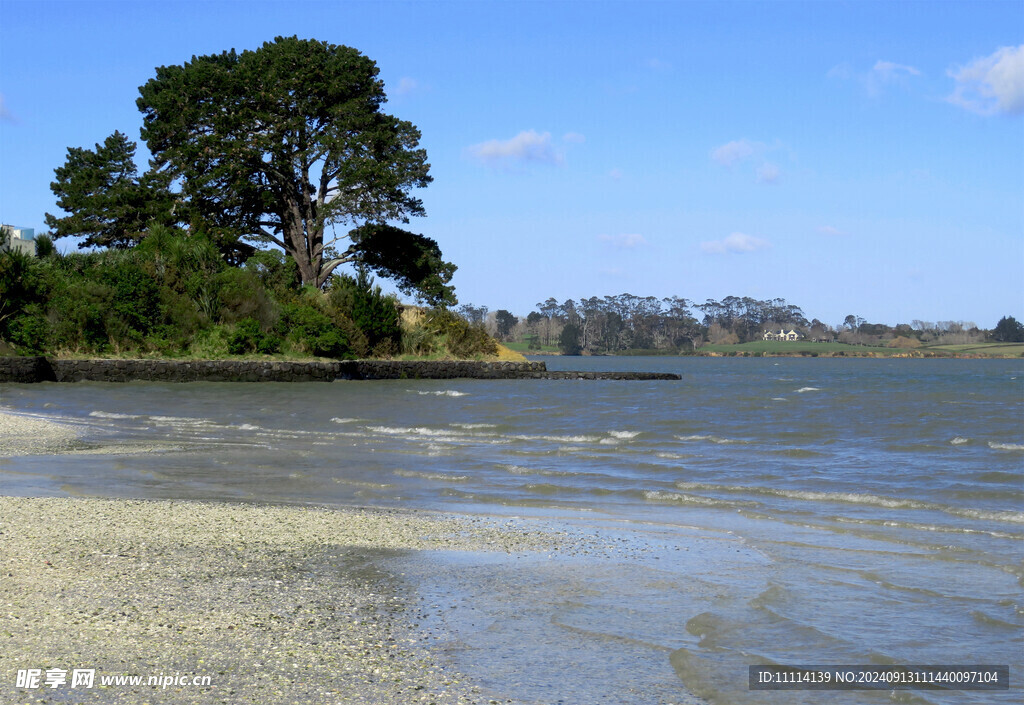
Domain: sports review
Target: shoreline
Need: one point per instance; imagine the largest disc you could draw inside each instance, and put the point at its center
(273, 603)
(276, 604)
(24, 435)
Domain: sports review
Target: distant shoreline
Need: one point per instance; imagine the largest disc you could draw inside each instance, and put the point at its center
(897, 353)
(975, 351)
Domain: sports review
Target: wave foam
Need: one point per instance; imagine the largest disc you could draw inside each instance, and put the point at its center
(444, 393)
(413, 431)
(808, 389)
(677, 498)
(112, 415)
(858, 498)
(443, 477)
(186, 420)
(713, 439)
(959, 441)
(624, 434)
(1005, 446)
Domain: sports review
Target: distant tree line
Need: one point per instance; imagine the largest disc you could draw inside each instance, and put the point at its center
(615, 324)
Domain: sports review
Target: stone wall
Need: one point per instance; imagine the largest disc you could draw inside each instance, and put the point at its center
(41, 369)
(25, 369)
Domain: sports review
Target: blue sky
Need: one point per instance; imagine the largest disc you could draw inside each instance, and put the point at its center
(862, 157)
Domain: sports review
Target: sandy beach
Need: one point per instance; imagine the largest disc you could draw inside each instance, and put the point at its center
(274, 604)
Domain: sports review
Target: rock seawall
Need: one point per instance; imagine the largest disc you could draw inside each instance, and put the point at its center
(42, 369)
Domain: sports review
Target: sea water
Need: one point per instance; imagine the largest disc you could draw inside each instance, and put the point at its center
(759, 511)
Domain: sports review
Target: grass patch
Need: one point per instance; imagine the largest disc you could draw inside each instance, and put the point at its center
(998, 349)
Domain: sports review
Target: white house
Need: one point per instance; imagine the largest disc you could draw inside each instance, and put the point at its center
(18, 239)
(781, 335)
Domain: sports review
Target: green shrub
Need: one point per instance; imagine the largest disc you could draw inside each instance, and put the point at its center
(249, 337)
(77, 313)
(45, 247)
(278, 273)
(462, 339)
(29, 330)
(418, 341)
(22, 283)
(135, 298)
(240, 295)
(314, 332)
(373, 313)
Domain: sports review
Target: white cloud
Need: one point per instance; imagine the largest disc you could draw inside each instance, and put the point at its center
(991, 84)
(406, 86)
(628, 241)
(843, 71)
(736, 243)
(527, 146)
(830, 230)
(888, 71)
(734, 152)
(882, 74)
(768, 173)
(574, 137)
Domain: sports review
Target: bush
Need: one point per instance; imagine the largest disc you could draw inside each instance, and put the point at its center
(77, 314)
(45, 247)
(278, 273)
(249, 338)
(417, 340)
(134, 298)
(462, 339)
(30, 330)
(373, 313)
(22, 283)
(240, 296)
(314, 332)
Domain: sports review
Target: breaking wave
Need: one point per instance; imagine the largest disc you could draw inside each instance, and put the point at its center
(713, 439)
(112, 415)
(443, 477)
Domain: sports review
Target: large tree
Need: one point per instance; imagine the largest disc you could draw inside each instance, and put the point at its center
(1008, 330)
(287, 141)
(107, 203)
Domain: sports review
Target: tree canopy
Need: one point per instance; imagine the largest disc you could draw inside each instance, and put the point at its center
(1008, 330)
(282, 143)
(108, 204)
